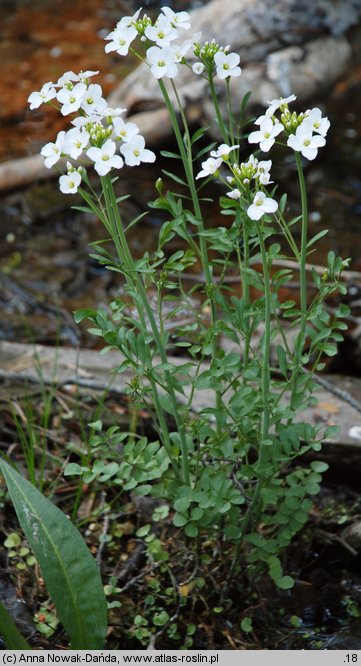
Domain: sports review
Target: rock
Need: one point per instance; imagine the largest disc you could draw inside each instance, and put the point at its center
(352, 535)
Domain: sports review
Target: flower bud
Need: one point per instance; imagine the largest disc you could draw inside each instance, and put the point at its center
(159, 186)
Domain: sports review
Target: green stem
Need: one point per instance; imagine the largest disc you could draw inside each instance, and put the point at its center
(246, 291)
(186, 155)
(229, 111)
(266, 372)
(134, 279)
(303, 276)
(221, 126)
(251, 513)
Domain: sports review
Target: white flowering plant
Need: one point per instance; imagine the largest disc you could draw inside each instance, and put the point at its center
(227, 466)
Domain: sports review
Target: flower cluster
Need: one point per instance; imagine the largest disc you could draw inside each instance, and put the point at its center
(310, 134)
(306, 131)
(96, 130)
(164, 52)
(240, 180)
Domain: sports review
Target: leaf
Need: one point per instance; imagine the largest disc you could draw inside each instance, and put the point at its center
(317, 237)
(72, 469)
(246, 624)
(244, 102)
(174, 177)
(285, 582)
(167, 153)
(82, 209)
(13, 638)
(83, 313)
(198, 134)
(69, 570)
(160, 619)
(191, 530)
(133, 222)
(319, 466)
(282, 360)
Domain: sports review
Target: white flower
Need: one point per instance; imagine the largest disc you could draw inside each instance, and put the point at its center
(75, 142)
(82, 121)
(275, 104)
(134, 152)
(263, 172)
(162, 62)
(128, 21)
(198, 68)
(70, 182)
(84, 76)
(252, 162)
(52, 151)
(162, 33)
(109, 112)
(261, 205)
(209, 167)
(261, 119)
(266, 136)
(223, 150)
(180, 50)
(120, 40)
(227, 64)
(124, 131)
(177, 19)
(47, 93)
(320, 125)
(93, 100)
(104, 158)
(304, 141)
(355, 432)
(66, 77)
(234, 194)
(71, 99)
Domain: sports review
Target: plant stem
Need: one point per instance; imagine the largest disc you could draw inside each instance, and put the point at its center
(134, 280)
(251, 513)
(246, 292)
(266, 371)
(303, 277)
(229, 111)
(217, 109)
(187, 159)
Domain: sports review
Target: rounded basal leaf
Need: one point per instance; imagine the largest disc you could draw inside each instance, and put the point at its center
(319, 466)
(180, 520)
(70, 572)
(191, 530)
(246, 624)
(285, 583)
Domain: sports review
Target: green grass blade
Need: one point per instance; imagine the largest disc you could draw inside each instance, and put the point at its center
(68, 568)
(13, 638)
